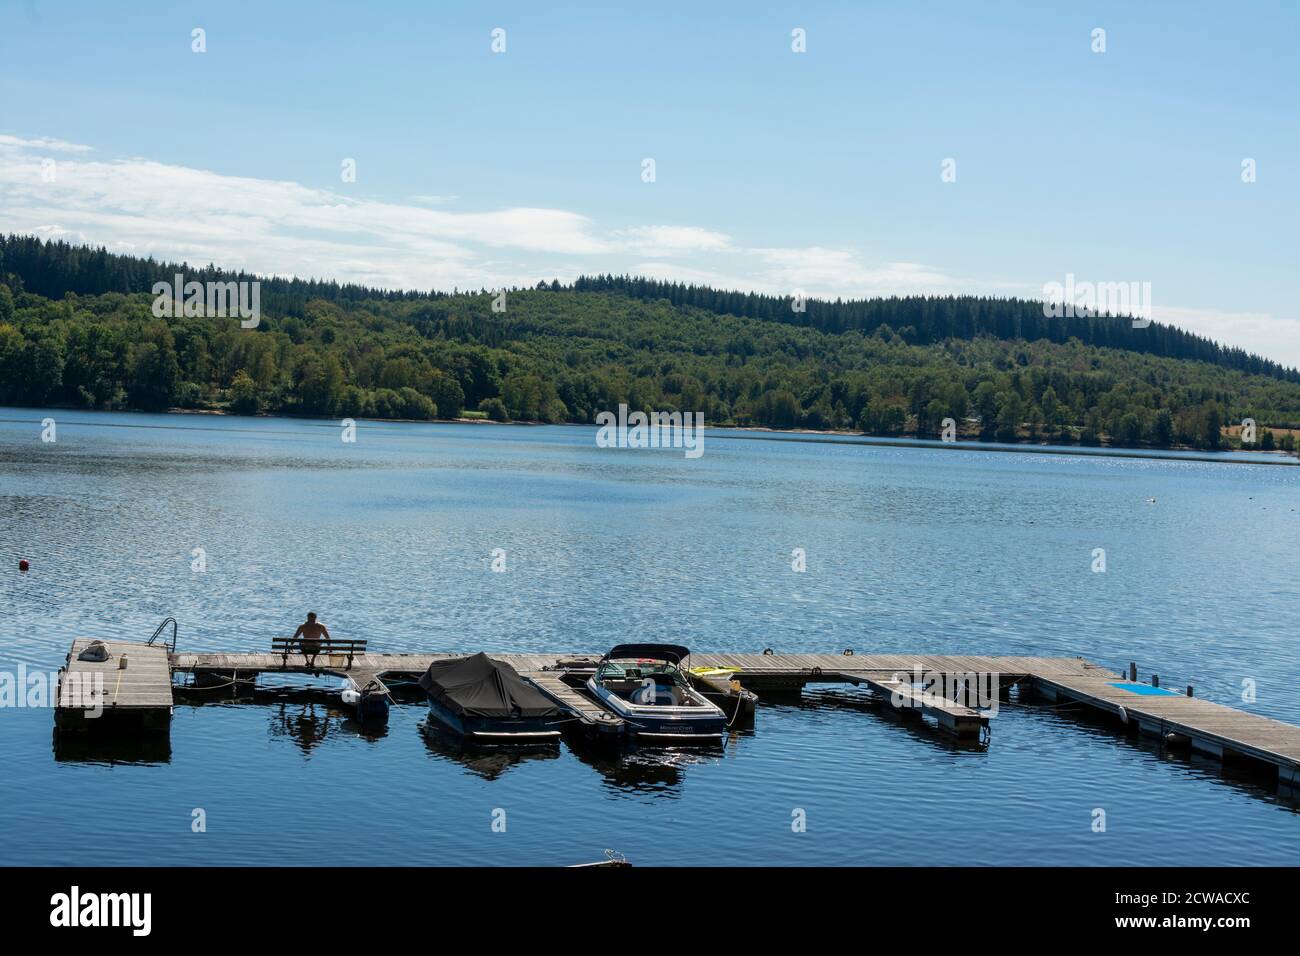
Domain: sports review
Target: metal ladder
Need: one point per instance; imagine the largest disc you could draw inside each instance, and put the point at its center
(171, 648)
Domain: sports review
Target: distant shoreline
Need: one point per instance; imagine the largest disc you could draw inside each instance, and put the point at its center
(760, 433)
(1099, 451)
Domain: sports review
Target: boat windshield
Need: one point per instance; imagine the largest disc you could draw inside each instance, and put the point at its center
(633, 669)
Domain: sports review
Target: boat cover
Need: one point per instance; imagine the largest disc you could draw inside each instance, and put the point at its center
(481, 687)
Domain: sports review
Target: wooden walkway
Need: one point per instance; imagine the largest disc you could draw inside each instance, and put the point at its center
(579, 705)
(1205, 726)
(958, 719)
(774, 669)
(906, 680)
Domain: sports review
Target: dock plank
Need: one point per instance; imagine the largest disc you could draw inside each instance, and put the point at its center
(581, 706)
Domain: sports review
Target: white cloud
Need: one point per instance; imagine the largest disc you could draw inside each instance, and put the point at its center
(1259, 332)
(828, 273)
(145, 207)
(274, 227)
(44, 143)
(672, 240)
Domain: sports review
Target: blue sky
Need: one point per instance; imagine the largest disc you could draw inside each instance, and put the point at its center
(776, 171)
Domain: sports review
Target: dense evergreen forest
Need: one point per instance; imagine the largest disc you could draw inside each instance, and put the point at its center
(77, 328)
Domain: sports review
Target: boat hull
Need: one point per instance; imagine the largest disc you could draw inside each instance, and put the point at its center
(494, 730)
(374, 707)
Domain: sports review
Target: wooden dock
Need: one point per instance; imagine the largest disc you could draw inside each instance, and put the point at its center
(913, 683)
(134, 682)
(1202, 725)
(958, 719)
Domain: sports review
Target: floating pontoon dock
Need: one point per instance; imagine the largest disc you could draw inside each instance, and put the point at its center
(135, 681)
(146, 685)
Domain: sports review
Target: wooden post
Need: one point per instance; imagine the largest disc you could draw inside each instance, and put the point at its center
(1133, 671)
(1189, 691)
(1155, 680)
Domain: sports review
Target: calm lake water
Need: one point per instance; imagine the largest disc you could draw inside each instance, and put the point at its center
(390, 539)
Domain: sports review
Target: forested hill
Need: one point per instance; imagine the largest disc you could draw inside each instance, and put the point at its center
(53, 269)
(77, 329)
(927, 319)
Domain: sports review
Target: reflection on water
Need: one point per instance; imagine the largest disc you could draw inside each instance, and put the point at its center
(635, 769)
(306, 725)
(309, 724)
(488, 761)
(110, 748)
(1249, 778)
(909, 722)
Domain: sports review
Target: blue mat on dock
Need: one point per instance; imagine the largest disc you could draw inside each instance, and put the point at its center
(1144, 689)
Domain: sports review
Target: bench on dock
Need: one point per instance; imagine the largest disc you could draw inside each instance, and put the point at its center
(328, 646)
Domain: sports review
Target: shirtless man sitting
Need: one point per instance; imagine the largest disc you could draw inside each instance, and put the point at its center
(308, 636)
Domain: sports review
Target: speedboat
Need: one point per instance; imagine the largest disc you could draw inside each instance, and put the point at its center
(644, 685)
(486, 701)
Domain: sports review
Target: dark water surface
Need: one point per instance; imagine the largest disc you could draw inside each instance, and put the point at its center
(390, 539)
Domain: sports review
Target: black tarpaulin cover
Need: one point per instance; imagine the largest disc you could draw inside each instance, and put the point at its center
(481, 687)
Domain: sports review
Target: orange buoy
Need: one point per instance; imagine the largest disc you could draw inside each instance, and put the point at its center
(22, 564)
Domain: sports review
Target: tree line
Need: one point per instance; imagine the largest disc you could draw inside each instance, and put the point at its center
(562, 354)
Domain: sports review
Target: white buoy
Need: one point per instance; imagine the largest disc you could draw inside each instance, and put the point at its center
(1123, 714)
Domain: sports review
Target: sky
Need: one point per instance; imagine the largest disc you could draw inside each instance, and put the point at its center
(936, 147)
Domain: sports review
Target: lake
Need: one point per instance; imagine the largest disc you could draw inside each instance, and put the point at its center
(391, 539)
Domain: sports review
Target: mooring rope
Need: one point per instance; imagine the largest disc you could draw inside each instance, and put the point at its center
(735, 714)
(211, 686)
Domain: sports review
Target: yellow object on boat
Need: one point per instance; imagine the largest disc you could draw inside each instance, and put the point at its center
(713, 671)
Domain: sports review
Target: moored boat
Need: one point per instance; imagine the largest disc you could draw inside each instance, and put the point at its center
(644, 685)
(370, 702)
(486, 701)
